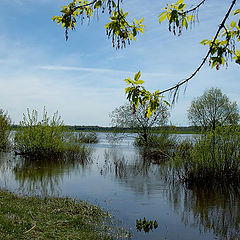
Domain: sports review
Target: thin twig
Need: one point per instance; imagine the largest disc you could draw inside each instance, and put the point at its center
(195, 8)
(85, 5)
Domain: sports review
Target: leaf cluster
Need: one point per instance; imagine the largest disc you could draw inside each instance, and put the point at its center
(137, 94)
(224, 47)
(177, 17)
(146, 225)
(118, 29)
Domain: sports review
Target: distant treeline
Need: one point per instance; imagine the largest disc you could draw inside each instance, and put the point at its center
(189, 129)
(173, 129)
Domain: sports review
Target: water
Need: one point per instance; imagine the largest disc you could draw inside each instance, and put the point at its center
(117, 179)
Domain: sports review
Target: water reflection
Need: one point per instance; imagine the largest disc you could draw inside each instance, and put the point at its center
(44, 176)
(214, 209)
(135, 187)
(211, 210)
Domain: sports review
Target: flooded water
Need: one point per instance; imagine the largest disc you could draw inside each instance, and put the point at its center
(117, 179)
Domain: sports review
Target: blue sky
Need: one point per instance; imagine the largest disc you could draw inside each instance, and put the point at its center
(83, 77)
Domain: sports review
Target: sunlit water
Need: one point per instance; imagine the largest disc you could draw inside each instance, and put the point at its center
(117, 179)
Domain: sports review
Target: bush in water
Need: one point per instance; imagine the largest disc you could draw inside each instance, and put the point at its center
(45, 138)
(214, 156)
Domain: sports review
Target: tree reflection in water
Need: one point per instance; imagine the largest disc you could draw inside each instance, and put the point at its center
(211, 209)
(214, 209)
(43, 176)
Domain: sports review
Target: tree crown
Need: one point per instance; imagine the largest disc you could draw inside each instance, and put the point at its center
(213, 108)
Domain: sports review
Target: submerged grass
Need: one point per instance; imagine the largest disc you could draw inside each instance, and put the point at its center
(214, 157)
(50, 218)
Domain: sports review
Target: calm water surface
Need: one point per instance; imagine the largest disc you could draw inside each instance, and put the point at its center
(117, 179)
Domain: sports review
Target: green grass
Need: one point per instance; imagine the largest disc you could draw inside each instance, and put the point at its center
(23, 217)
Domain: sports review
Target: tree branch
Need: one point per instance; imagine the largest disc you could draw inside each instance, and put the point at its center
(85, 5)
(177, 86)
(195, 8)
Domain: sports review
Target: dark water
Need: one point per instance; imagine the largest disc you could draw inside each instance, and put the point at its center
(117, 179)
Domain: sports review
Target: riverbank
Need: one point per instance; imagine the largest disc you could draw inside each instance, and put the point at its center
(24, 217)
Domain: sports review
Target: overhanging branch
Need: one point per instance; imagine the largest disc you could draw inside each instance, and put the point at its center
(179, 84)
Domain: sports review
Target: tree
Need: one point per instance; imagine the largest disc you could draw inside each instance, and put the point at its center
(222, 47)
(5, 125)
(213, 108)
(122, 117)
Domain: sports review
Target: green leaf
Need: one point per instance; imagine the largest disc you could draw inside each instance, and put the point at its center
(137, 76)
(134, 32)
(139, 82)
(233, 24)
(141, 20)
(98, 4)
(204, 42)
(181, 6)
(167, 103)
(185, 23)
(162, 18)
(179, 2)
(149, 113)
(236, 12)
(128, 80)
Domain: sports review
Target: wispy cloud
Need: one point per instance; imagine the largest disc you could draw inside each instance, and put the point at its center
(94, 70)
(100, 70)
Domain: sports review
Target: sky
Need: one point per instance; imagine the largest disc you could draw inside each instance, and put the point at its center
(83, 78)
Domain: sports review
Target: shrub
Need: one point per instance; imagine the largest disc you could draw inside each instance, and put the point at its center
(160, 146)
(90, 137)
(5, 126)
(45, 138)
(214, 156)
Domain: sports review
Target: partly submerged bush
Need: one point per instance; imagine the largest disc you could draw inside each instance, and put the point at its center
(45, 138)
(86, 137)
(5, 125)
(213, 157)
(160, 146)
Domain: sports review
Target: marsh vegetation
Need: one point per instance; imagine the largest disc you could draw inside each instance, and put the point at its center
(46, 138)
(46, 153)
(5, 127)
(213, 157)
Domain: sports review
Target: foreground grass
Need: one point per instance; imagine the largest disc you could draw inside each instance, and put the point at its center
(24, 217)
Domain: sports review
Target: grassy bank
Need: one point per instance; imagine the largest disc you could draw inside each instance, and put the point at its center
(24, 217)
